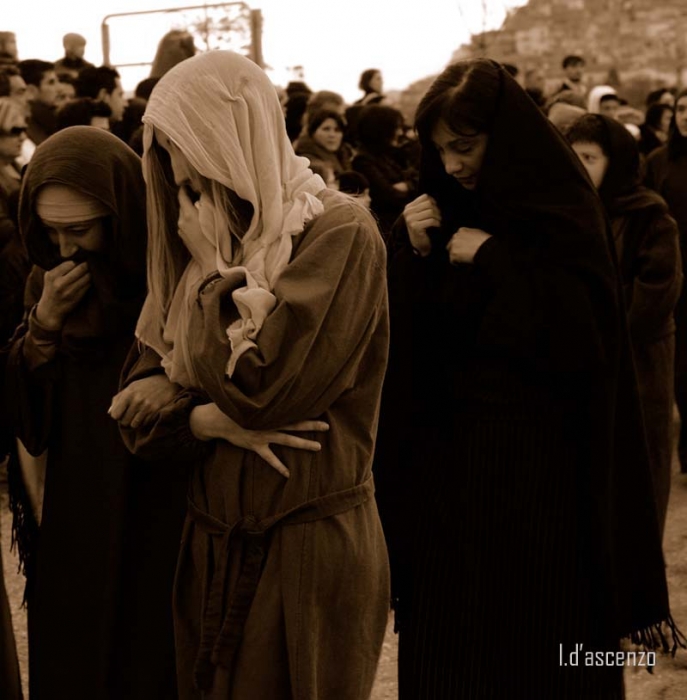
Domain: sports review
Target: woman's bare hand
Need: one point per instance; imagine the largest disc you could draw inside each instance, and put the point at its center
(208, 423)
(420, 214)
(63, 288)
(140, 402)
(465, 243)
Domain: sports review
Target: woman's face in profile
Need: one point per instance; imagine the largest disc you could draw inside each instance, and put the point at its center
(184, 173)
(462, 155)
(376, 83)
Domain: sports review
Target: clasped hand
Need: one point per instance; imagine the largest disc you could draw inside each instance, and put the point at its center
(423, 213)
(208, 423)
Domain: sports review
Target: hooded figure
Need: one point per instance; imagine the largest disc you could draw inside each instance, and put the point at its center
(511, 461)
(100, 570)
(595, 96)
(647, 244)
(269, 308)
(666, 173)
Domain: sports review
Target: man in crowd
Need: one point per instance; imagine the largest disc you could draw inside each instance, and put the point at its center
(73, 61)
(42, 90)
(102, 84)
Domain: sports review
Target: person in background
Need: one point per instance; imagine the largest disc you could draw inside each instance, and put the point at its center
(103, 84)
(175, 46)
(573, 68)
(84, 111)
(100, 568)
(603, 99)
(145, 87)
(14, 269)
(8, 49)
(13, 85)
(562, 114)
(323, 143)
(666, 173)
(66, 89)
(665, 96)
(294, 104)
(41, 89)
(73, 60)
(647, 244)
(15, 266)
(372, 84)
(393, 182)
(534, 86)
(656, 127)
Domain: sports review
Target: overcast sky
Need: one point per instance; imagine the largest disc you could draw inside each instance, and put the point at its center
(333, 41)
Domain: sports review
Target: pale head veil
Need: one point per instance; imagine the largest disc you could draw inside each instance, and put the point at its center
(223, 113)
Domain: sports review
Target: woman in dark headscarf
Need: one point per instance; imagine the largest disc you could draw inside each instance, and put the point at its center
(648, 249)
(511, 456)
(100, 572)
(666, 173)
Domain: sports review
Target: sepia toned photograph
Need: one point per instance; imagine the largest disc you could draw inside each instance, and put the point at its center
(343, 350)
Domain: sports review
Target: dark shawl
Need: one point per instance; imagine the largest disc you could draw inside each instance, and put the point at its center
(556, 312)
(100, 582)
(97, 164)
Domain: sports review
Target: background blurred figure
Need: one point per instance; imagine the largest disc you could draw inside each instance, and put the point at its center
(105, 85)
(84, 111)
(175, 46)
(603, 99)
(654, 131)
(73, 61)
(13, 85)
(66, 89)
(666, 173)
(323, 144)
(534, 85)
(562, 114)
(8, 49)
(663, 95)
(393, 182)
(14, 268)
(647, 244)
(14, 264)
(573, 67)
(294, 104)
(372, 84)
(41, 90)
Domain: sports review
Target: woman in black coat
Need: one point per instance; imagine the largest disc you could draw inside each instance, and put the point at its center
(511, 460)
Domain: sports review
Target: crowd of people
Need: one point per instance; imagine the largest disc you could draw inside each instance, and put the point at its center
(219, 323)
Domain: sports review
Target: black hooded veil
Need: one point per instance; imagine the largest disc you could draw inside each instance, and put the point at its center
(511, 461)
(100, 569)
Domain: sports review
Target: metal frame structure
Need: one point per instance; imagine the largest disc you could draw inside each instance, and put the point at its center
(255, 28)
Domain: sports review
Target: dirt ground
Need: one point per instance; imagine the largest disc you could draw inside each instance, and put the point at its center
(668, 682)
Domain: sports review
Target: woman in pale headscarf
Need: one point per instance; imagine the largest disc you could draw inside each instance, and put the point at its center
(269, 309)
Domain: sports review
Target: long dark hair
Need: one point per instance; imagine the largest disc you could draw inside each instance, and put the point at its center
(464, 96)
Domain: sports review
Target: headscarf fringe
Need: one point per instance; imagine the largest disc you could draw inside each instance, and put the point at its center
(656, 638)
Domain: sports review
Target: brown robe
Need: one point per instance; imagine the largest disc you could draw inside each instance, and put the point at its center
(310, 623)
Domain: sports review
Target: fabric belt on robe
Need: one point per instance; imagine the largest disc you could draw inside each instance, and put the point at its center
(220, 638)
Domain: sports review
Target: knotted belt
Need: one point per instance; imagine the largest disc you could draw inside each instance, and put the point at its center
(220, 638)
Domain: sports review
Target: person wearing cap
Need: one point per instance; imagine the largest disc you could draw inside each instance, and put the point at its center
(73, 61)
